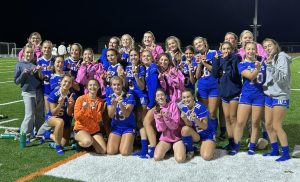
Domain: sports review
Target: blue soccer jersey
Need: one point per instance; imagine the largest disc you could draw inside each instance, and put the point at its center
(252, 87)
(132, 83)
(72, 66)
(186, 73)
(46, 71)
(207, 81)
(152, 83)
(111, 72)
(119, 119)
(53, 98)
(200, 111)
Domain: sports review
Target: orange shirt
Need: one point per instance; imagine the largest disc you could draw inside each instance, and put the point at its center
(88, 118)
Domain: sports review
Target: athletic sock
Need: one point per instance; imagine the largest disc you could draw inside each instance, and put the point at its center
(285, 154)
(47, 134)
(251, 148)
(214, 124)
(144, 149)
(59, 149)
(265, 135)
(188, 142)
(151, 152)
(235, 149)
(275, 150)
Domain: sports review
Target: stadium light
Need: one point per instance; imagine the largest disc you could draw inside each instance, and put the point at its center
(255, 26)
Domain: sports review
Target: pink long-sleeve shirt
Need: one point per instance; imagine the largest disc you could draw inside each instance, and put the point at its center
(37, 53)
(91, 71)
(172, 82)
(260, 51)
(169, 123)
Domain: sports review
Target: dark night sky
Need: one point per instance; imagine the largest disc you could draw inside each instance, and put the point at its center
(88, 20)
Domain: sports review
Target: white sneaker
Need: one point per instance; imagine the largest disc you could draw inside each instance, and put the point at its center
(190, 155)
(262, 143)
(296, 152)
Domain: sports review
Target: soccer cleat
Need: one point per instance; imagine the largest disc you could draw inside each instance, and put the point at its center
(296, 152)
(273, 153)
(262, 143)
(251, 152)
(59, 150)
(27, 141)
(233, 152)
(52, 145)
(190, 155)
(283, 158)
(41, 141)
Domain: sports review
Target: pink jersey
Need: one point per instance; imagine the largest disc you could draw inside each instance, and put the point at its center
(173, 83)
(260, 51)
(91, 71)
(169, 123)
(157, 51)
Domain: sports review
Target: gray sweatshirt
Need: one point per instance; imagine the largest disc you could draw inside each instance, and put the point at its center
(28, 81)
(278, 77)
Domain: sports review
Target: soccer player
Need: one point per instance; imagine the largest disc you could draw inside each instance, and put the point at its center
(148, 43)
(198, 126)
(207, 85)
(120, 110)
(171, 79)
(60, 116)
(225, 69)
(252, 98)
(277, 91)
(34, 41)
(28, 76)
(114, 42)
(135, 78)
(87, 114)
(168, 122)
(46, 62)
(173, 47)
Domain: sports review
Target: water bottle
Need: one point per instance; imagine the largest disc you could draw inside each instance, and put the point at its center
(8, 135)
(22, 140)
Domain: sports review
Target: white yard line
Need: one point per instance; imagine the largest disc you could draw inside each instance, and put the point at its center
(8, 103)
(296, 57)
(8, 121)
(296, 89)
(7, 72)
(6, 82)
(7, 127)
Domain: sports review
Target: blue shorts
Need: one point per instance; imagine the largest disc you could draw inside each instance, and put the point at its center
(227, 101)
(254, 100)
(270, 102)
(207, 135)
(209, 92)
(121, 130)
(67, 123)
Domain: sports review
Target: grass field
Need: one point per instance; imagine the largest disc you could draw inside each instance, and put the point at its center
(15, 163)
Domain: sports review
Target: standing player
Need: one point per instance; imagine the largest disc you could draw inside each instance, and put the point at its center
(207, 84)
(46, 62)
(252, 98)
(225, 69)
(148, 43)
(277, 91)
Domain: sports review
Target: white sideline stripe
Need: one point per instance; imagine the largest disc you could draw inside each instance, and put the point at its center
(7, 72)
(296, 89)
(8, 103)
(10, 128)
(296, 57)
(8, 121)
(6, 82)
